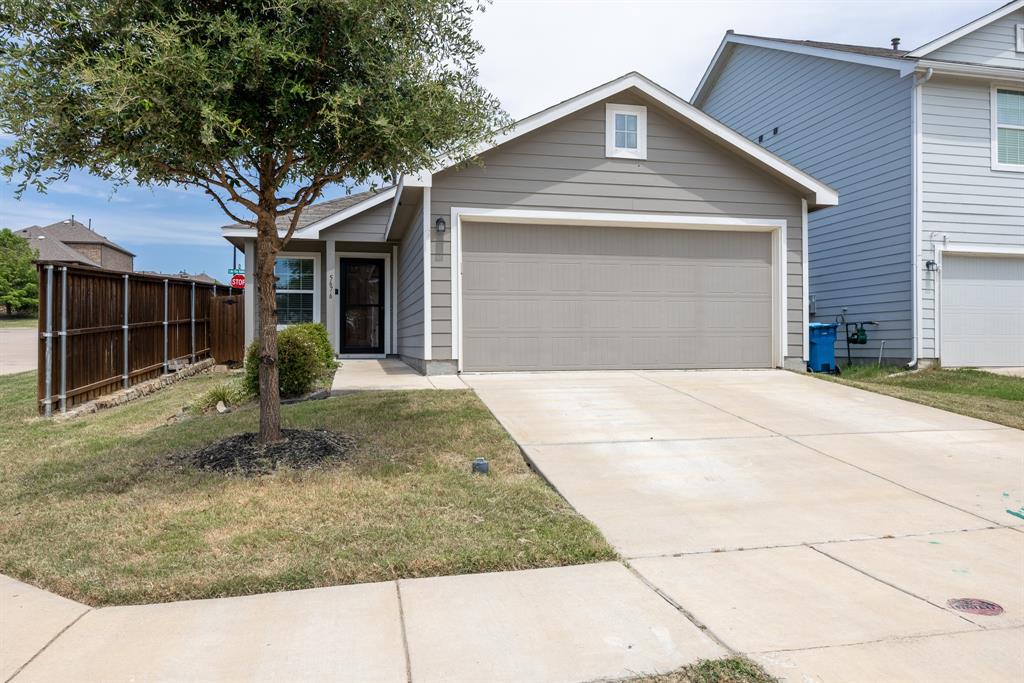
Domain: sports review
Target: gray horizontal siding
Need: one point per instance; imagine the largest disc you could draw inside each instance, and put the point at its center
(850, 126)
(563, 167)
(991, 45)
(368, 226)
(964, 200)
(410, 288)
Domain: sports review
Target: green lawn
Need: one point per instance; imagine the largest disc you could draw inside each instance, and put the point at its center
(92, 509)
(997, 398)
(9, 323)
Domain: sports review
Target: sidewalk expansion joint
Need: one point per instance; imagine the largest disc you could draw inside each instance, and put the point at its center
(703, 628)
(48, 644)
(405, 635)
(888, 639)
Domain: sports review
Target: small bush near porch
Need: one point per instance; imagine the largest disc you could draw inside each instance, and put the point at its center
(98, 510)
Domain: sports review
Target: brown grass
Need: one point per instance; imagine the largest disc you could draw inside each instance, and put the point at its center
(93, 510)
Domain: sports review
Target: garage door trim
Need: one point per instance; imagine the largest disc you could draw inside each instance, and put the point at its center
(775, 226)
(962, 250)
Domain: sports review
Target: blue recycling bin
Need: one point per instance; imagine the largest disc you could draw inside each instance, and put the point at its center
(823, 347)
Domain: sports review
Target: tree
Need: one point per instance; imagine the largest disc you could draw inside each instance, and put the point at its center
(19, 285)
(260, 103)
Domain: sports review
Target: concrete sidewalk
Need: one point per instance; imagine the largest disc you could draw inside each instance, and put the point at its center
(18, 350)
(387, 374)
(588, 622)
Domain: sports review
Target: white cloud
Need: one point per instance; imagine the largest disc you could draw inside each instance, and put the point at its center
(539, 52)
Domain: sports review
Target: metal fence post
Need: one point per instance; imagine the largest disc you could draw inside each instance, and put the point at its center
(124, 328)
(166, 367)
(64, 339)
(192, 348)
(48, 335)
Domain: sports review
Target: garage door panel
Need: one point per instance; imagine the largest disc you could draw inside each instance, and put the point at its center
(982, 302)
(566, 297)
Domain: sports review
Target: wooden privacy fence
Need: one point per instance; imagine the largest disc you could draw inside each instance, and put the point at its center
(102, 330)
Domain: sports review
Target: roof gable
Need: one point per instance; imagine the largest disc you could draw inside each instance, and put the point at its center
(71, 231)
(819, 193)
(928, 49)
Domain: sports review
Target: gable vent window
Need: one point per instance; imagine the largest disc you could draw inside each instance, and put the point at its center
(1019, 33)
(1007, 129)
(625, 131)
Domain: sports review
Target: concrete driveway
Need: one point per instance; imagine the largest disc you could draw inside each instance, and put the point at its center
(18, 349)
(819, 528)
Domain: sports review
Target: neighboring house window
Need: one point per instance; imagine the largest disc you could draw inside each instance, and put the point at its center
(296, 290)
(626, 131)
(1007, 129)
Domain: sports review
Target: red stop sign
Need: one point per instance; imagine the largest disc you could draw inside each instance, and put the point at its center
(238, 281)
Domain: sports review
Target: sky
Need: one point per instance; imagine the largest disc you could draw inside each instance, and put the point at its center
(536, 53)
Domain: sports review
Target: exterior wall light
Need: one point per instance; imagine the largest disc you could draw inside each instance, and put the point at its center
(440, 225)
(931, 266)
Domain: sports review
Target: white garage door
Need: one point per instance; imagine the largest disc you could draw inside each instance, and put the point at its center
(982, 320)
(557, 297)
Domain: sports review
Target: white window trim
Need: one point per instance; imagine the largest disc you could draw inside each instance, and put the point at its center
(996, 164)
(389, 308)
(775, 226)
(1019, 33)
(315, 258)
(640, 112)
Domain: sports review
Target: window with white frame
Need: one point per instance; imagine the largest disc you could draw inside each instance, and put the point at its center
(1019, 33)
(626, 131)
(1007, 129)
(296, 289)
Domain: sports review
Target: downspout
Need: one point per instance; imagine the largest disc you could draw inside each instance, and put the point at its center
(917, 210)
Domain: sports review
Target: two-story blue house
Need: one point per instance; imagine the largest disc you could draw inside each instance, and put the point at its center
(926, 149)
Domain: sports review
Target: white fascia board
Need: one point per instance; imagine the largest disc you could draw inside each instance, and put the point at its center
(312, 231)
(421, 179)
(823, 194)
(1000, 73)
(394, 207)
(942, 41)
(901, 65)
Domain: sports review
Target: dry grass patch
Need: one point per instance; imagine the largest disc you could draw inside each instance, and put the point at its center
(94, 508)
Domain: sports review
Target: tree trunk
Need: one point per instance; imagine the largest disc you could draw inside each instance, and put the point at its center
(270, 397)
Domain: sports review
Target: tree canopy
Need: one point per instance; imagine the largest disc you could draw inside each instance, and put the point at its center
(19, 284)
(261, 103)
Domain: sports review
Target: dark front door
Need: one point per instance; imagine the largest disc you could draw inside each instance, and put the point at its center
(362, 305)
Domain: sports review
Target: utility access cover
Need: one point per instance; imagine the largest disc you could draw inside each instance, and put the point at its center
(975, 606)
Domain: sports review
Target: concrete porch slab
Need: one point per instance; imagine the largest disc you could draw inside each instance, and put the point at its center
(29, 619)
(792, 404)
(986, 564)
(668, 497)
(971, 657)
(580, 623)
(981, 471)
(791, 598)
(350, 633)
(383, 375)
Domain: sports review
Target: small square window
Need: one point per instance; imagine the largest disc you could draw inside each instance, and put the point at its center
(626, 131)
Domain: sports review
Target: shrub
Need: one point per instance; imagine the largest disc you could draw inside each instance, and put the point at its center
(304, 355)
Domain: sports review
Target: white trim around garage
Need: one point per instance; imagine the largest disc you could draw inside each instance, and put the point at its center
(806, 280)
(967, 249)
(428, 323)
(777, 228)
(388, 296)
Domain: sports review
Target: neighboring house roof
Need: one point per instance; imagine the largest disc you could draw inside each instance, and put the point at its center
(51, 249)
(904, 61)
(71, 232)
(948, 38)
(321, 210)
(199, 277)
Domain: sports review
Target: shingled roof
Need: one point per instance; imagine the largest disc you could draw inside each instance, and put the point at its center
(841, 47)
(70, 231)
(52, 249)
(321, 210)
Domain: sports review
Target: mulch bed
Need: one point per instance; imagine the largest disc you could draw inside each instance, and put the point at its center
(243, 454)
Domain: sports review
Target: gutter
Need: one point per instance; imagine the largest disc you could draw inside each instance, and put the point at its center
(918, 195)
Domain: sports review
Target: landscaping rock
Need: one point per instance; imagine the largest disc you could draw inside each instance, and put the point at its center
(221, 408)
(244, 455)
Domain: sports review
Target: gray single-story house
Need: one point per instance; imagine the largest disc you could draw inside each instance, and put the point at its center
(620, 229)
